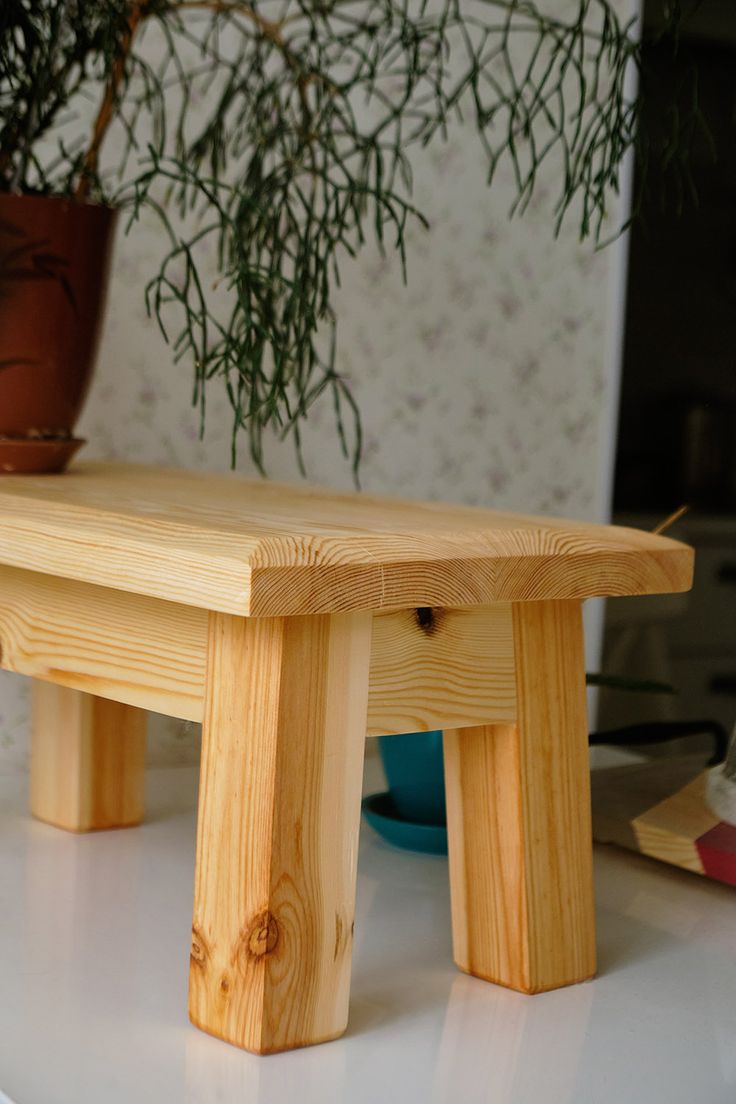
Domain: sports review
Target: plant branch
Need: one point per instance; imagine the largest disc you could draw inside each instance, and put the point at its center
(231, 7)
(108, 106)
(279, 144)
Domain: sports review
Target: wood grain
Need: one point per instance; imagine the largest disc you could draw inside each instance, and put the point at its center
(126, 647)
(277, 836)
(87, 760)
(621, 794)
(660, 808)
(228, 544)
(429, 668)
(441, 668)
(670, 830)
(518, 818)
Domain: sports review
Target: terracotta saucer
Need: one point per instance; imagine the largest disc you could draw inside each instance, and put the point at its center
(32, 456)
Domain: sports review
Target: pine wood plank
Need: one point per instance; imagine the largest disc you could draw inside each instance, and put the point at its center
(518, 818)
(87, 760)
(621, 794)
(277, 836)
(660, 808)
(670, 830)
(442, 668)
(429, 669)
(127, 647)
(251, 548)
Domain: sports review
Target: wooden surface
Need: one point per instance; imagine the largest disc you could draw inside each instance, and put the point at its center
(277, 835)
(127, 647)
(262, 549)
(179, 592)
(429, 668)
(441, 669)
(670, 830)
(620, 794)
(659, 808)
(518, 818)
(87, 760)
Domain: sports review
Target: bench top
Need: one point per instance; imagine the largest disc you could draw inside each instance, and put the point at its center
(264, 549)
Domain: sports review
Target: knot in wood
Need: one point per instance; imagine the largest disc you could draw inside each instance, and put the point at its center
(426, 619)
(263, 935)
(198, 952)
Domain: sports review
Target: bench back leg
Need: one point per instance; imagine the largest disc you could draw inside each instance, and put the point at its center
(518, 818)
(87, 760)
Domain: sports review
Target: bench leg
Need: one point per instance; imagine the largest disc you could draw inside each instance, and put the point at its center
(518, 818)
(87, 760)
(277, 837)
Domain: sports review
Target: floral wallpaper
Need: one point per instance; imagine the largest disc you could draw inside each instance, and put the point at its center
(489, 379)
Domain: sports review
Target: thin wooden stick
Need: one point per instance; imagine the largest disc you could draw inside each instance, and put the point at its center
(669, 521)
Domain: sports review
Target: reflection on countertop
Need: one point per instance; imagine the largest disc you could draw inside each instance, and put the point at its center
(93, 964)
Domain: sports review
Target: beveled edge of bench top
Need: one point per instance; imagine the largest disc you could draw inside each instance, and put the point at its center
(266, 549)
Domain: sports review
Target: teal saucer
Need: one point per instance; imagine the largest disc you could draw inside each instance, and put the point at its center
(380, 812)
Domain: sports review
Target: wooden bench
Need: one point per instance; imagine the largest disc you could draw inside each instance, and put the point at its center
(292, 621)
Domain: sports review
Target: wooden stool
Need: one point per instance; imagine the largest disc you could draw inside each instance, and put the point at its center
(292, 621)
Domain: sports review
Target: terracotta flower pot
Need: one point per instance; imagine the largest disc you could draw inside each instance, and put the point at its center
(54, 261)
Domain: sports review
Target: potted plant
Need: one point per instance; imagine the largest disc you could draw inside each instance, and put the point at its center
(54, 245)
(275, 137)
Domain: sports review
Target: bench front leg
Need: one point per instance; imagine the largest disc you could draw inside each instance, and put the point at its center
(277, 836)
(87, 760)
(518, 818)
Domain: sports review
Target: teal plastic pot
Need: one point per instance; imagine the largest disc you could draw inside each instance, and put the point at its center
(415, 776)
(411, 814)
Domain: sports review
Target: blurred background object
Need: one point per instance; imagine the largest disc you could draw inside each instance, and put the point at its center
(677, 428)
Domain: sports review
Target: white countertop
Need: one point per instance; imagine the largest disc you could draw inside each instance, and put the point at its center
(93, 978)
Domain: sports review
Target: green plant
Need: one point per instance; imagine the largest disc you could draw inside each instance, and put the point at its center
(279, 134)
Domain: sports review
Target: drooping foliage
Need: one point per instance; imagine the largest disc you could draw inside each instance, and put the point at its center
(278, 137)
